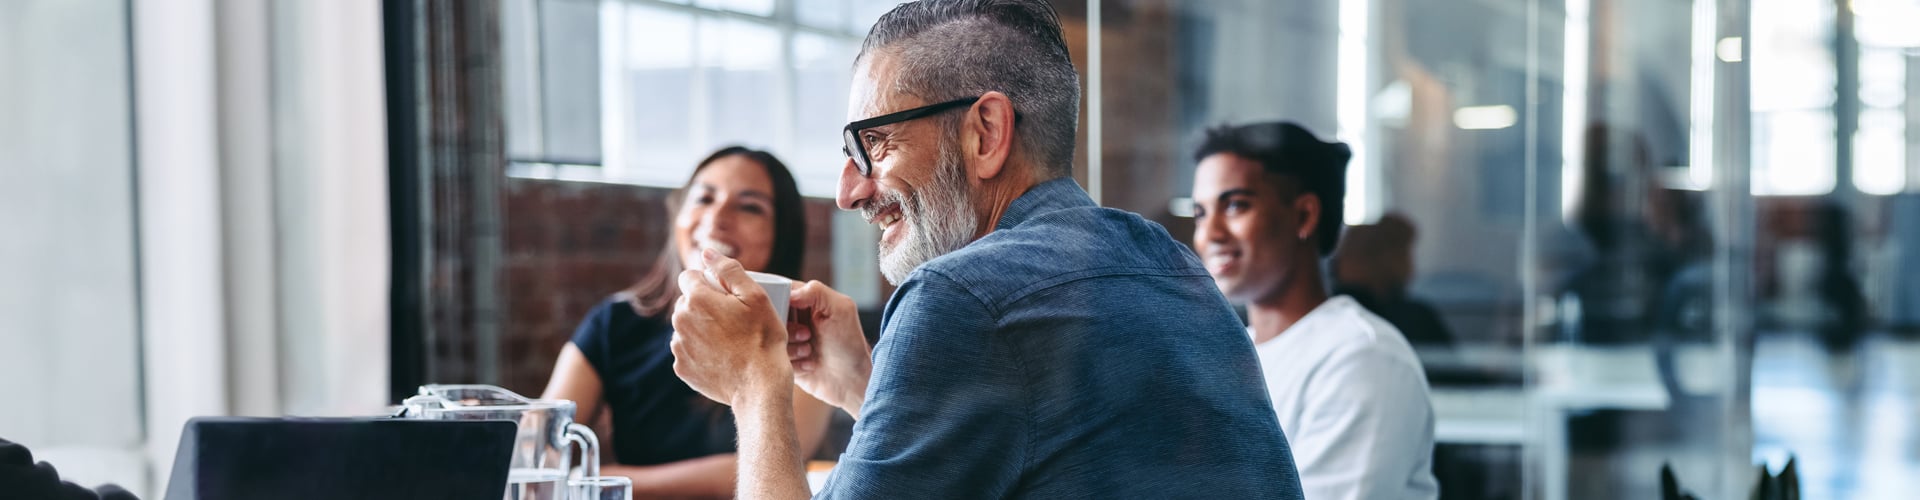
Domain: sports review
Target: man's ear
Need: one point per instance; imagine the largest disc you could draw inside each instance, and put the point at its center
(1307, 206)
(986, 135)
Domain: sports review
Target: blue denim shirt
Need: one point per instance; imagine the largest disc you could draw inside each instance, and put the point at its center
(1074, 352)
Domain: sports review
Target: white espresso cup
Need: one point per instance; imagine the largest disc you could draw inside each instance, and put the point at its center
(779, 288)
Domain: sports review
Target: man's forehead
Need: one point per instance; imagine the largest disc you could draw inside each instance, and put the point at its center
(872, 93)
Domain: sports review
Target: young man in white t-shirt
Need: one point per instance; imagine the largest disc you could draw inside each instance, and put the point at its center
(1350, 394)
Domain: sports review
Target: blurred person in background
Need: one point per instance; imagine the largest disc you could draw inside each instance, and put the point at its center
(1374, 264)
(1649, 275)
(1349, 391)
(1038, 346)
(668, 439)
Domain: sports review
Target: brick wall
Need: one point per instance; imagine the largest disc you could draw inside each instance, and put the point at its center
(568, 245)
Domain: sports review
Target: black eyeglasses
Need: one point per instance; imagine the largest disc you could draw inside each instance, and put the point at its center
(856, 149)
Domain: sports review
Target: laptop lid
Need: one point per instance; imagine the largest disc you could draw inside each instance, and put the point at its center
(223, 458)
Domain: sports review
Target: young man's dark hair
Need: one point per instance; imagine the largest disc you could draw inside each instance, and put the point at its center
(1284, 148)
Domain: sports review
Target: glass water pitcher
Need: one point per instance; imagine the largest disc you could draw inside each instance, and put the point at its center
(542, 450)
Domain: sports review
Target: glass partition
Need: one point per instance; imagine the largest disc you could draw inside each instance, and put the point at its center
(1657, 234)
(1629, 239)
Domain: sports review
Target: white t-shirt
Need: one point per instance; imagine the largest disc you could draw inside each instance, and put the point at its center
(1353, 403)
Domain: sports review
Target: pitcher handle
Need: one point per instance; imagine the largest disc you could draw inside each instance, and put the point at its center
(582, 437)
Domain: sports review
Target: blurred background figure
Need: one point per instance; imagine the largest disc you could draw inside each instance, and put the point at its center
(1648, 265)
(1374, 265)
(1813, 287)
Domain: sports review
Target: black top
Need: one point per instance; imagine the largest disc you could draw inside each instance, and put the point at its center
(657, 418)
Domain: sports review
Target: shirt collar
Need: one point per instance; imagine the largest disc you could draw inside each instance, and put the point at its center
(1044, 197)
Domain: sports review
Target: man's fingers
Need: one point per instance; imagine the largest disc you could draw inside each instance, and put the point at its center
(677, 346)
(681, 316)
(730, 275)
(694, 287)
(806, 296)
(692, 281)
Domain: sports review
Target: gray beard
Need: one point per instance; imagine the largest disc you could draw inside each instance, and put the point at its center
(939, 218)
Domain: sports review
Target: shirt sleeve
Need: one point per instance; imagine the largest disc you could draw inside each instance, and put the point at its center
(945, 409)
(1367, 425)
(591, 336)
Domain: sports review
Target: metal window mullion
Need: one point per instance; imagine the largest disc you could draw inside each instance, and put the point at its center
(615, 92)
(538, 84)
(1912, 113)
(787, 112)
(698, 120)
(1846, 103)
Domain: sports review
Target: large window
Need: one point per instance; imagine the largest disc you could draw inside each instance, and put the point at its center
(675, 80)
(1793, 97)
(1881, 159)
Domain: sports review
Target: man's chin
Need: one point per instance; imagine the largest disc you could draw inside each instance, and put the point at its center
(894, 272)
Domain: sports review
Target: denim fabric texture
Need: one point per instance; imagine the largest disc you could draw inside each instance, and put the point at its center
(1074, 352)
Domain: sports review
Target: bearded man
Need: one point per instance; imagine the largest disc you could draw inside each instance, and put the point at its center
(1038, 345)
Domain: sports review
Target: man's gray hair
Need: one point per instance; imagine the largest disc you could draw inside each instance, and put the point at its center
(955, 49)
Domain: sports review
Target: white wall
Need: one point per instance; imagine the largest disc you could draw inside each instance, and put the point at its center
(226, 254)
(69, 361)
(183, 323)
(331, 194)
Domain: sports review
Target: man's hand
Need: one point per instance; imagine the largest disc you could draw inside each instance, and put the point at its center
(830, 356)
(727, 342)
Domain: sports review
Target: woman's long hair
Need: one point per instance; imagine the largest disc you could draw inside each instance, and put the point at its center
(658, 288)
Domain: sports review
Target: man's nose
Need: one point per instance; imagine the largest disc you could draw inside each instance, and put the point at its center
(854, 187)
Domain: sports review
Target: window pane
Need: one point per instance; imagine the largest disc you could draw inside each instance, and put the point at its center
(1792, 60)
(1879, 146)
(570, 80)
(865, 12)
(1793, 97)
(658, 76)
(827, 14)
(755, 7)
(822, 77)
(1792, 152)
(1880, 152)
(520, 77)
(550, 64)
(741, 86)
(1886, 23)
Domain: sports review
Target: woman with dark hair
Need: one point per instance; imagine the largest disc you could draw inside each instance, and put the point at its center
(669, 439)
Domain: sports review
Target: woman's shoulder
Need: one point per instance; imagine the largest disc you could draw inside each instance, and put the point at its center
(619, 310)
(616, 318)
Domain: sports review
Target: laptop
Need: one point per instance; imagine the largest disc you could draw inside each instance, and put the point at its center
(224, 458)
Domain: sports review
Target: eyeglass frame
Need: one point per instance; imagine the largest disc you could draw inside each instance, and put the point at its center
(850, 136)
